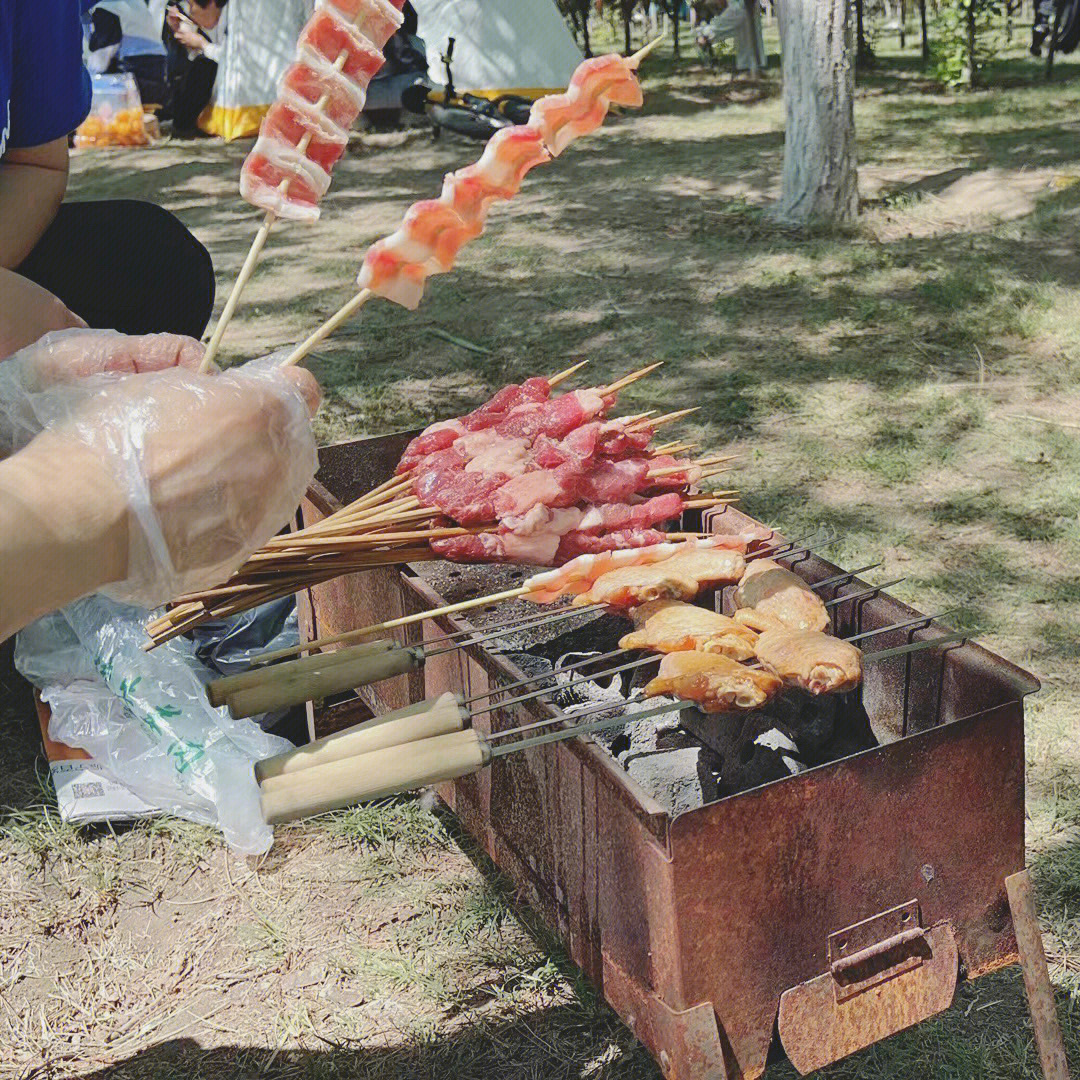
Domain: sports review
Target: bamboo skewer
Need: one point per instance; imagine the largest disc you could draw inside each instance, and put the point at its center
(257, 245)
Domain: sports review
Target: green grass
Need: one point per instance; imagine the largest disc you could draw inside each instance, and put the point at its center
(874, 380)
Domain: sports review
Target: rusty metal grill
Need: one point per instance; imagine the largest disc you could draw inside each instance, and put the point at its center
(835, 906)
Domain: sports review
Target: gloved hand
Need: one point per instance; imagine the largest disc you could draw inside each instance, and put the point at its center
(152, 484)
(65, 356)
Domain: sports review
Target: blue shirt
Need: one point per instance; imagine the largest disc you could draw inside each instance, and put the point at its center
(44, 87)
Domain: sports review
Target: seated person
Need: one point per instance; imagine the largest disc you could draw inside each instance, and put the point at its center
(117, 264)
(194, 38)
(124, 37)
(730, 19)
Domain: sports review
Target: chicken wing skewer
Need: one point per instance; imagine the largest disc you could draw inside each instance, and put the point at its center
(713, 682)
(773, 590)
(668, 626)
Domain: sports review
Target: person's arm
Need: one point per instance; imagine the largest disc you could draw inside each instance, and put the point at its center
(33, 180)
(62, 532)
(154, 485)
(28, 312)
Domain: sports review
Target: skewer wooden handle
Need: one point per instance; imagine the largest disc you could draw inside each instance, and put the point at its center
(311, 685)
(424, 720)
(372, 776)
(220, 689)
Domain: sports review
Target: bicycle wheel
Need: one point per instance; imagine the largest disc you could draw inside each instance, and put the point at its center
(464, 122)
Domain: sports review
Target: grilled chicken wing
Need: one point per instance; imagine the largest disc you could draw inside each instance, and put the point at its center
(716, 683)
(669, 626)
(810, 660)
(630, 586)
(709, 566)
(772, 589)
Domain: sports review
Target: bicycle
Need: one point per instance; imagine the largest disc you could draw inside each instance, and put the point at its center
(462, 113)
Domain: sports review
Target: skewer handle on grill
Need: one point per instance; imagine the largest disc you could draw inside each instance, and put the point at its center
(220, 690)
(320, 682)
(372, 775)
(424, 720)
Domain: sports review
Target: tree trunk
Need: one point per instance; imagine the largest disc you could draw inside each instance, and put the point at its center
(675, 11)
(972, 41)
(820, 182)
(627, 12)
(585, 26)
(863, 56)
(903, 25)
(922, 29)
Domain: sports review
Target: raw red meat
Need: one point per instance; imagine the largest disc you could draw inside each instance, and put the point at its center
(290, 119)
(312, 79)
(268, 166)
(574, 544)
(377, 20)
(327, 34)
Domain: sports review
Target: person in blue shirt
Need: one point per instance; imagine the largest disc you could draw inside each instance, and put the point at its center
(117, 264)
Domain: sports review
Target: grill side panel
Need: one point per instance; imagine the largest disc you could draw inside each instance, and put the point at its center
(762, 878)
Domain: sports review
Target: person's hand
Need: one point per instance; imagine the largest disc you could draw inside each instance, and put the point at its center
(150, 485)
(172, 17)
(206, 468)
(27, 311)
(162, 483)
(189, 38)
(68, 356)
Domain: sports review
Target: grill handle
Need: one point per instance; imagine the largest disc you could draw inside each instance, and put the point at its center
(294, 688)
(846, 964)
(424, 720)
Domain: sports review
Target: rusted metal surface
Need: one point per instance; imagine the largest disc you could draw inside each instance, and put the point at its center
(876, 950)
(1040, 992)
(816, 1028)
(722, 910)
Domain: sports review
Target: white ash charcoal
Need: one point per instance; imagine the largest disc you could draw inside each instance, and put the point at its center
(680, 779)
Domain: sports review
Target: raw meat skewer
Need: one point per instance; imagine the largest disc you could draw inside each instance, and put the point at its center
(259, 242)
(387, 270)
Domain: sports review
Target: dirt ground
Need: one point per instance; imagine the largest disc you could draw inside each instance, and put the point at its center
(914, 383)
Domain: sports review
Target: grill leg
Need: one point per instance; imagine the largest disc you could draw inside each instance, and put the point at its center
(1040, 993)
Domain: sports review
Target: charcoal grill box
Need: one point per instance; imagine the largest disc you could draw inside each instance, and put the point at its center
(832, 908)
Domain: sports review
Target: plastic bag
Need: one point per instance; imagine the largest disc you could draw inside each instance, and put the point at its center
(156, 732)
(116, 114)
(228, 646)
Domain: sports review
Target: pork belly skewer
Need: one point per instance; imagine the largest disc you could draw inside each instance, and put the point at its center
(306, 129)
(434, 231)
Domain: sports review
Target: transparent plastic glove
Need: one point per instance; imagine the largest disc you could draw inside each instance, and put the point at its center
(66, 356)
(204, 468)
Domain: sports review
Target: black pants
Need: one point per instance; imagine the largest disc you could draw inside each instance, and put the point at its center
(191, 82)
(127, 266)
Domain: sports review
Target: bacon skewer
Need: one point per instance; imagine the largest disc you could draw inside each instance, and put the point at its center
(305, 131)
(429, 238)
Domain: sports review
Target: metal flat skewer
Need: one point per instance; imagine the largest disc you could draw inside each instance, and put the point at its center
(847, 576)
(916, 646)
(496, 630)
(922, 619)
(545, 675)
(652, 658)
(865, 592)
(583, 729)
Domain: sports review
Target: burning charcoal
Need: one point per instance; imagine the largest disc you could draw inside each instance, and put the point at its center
(750, 750)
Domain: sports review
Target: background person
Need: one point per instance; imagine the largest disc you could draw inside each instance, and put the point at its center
(730, 19)
(125, 37)
(126, 265)
(194, 37)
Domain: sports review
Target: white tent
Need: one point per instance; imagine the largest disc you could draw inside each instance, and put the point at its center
(260, 42)
(500, 46)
